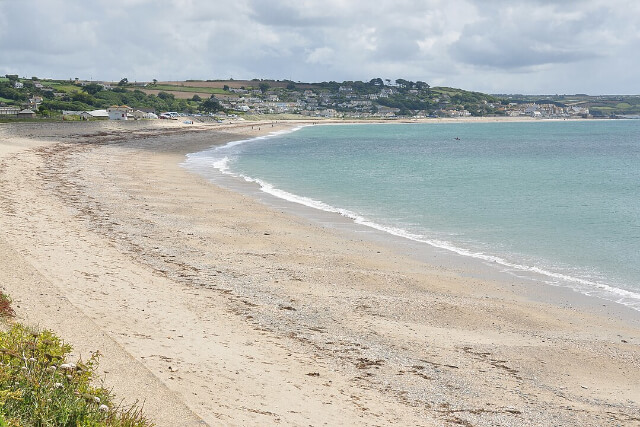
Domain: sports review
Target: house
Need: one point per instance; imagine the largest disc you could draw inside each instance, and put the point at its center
(35, 102)
(118, 112)
(18, 85)
(384, 93)
(329, 112)
(26, 114)
(387, 111)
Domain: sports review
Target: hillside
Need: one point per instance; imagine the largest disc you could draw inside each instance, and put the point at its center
(376, 98)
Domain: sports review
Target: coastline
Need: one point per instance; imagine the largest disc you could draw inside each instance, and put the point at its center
(539, 283)
(533, 286)
(215, 294)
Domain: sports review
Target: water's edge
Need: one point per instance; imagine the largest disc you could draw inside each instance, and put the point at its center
(535, 283)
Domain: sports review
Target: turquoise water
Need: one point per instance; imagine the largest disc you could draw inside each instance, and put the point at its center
(561, 199)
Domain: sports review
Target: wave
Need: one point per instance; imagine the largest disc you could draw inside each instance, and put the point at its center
(221, 157)
(201, 161)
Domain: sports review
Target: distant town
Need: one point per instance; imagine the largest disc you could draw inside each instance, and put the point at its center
(76, 99)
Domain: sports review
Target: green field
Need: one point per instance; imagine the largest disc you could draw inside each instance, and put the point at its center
(63, 87)
(173, 88)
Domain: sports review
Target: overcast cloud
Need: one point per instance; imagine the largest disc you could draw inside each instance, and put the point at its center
(496, 46)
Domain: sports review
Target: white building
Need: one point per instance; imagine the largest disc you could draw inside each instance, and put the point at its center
(119, 112)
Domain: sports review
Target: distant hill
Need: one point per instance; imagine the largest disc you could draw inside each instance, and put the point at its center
(350, 99)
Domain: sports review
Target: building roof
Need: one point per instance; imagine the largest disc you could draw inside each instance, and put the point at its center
(98, 113)
(26, 111)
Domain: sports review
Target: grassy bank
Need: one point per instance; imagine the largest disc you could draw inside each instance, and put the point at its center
(39, 386)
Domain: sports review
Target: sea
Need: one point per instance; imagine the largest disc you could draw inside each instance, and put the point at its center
(557, 202)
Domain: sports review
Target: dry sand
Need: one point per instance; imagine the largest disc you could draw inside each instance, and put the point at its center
(214, 309)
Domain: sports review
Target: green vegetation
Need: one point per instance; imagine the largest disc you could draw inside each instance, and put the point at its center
(64, 86)
(75, 97)
(39, 387)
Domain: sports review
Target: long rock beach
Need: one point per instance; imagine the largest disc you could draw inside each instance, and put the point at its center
(213, 308)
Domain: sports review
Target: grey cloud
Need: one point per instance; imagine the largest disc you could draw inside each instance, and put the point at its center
(286, 15)
(517, 38)
(398, 44)
(507, 52)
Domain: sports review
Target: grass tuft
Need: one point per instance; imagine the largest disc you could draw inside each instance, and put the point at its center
(6, 311)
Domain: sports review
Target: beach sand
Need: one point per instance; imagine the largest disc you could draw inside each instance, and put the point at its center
(214, 309)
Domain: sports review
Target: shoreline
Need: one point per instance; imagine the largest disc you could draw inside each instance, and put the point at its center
(533, 284)
(247, 315)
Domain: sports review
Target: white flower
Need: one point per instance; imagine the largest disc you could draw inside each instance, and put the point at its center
(57, 385)
(32, 359)
(96, 399)
(51, 369)
(66, 366)
(103, 408)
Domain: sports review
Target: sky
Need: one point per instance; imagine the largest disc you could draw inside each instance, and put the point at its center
(491, 46)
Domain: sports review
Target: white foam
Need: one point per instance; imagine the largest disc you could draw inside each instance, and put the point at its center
(231, 144)
(218, 156)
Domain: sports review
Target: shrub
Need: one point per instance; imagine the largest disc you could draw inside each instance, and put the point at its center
(39, 387)
(6, 311)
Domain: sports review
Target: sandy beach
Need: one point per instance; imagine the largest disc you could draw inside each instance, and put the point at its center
(211, 308)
